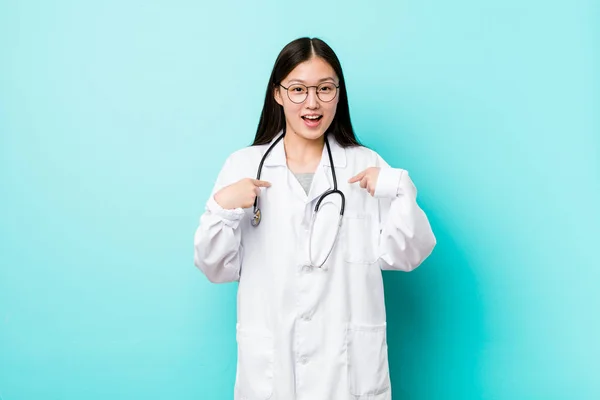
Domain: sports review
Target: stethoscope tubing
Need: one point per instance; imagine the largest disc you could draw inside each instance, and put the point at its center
(258, 215)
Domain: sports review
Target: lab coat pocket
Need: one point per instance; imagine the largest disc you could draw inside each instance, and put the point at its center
(367, 359)
(255, 364)
(360, 238)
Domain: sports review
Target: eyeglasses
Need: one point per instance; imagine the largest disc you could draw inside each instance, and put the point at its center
(297, 92)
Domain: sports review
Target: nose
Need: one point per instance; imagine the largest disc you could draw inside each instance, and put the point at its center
(312, 101)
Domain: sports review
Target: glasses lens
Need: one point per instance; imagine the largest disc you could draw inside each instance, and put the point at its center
(297, 93)
(326, 91)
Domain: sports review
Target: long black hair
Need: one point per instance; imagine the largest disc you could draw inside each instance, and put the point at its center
(272, 118)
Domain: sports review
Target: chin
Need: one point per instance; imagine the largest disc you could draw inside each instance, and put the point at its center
(310, 134)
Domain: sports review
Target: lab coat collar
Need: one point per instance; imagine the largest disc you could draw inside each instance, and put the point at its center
(277, 155)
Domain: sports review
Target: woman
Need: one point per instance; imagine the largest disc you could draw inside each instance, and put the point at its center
(311, 313)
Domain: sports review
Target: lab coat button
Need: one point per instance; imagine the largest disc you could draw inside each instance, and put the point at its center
(303, 360)
(306, 317)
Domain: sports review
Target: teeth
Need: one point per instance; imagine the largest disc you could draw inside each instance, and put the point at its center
(312, 116)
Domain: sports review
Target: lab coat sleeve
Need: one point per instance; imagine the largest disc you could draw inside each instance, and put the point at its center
(406, 238)
(217, 241)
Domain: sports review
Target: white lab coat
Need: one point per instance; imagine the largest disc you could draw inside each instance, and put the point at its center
(306, 333)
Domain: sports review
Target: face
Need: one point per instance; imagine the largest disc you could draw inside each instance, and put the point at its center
(310, 118)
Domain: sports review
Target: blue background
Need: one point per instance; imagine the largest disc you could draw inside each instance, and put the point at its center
(115, 118)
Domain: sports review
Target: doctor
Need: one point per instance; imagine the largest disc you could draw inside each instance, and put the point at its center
(311, 320)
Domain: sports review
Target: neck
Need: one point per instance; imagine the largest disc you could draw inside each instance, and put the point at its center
(303, 155)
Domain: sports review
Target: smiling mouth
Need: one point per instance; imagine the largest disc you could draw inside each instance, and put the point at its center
(306, 118)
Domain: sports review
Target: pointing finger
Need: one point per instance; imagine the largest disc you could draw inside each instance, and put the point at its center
(259, 183)
(357, 177)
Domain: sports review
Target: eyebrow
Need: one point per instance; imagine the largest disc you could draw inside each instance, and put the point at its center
(320, 80)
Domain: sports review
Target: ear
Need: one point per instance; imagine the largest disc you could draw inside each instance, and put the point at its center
(277, 95)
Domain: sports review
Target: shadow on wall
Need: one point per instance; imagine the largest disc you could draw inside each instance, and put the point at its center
(435, 325)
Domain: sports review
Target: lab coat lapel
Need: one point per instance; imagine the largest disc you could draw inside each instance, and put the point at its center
(321, 182)
(295, 186)
(323, 179)
(277, 158)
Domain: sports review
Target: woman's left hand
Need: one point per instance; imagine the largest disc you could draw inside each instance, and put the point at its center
(367, 179)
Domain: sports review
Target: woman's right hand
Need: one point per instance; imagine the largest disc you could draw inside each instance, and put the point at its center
(240, 194)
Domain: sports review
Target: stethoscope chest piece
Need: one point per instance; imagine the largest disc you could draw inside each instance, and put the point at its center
(256, 218)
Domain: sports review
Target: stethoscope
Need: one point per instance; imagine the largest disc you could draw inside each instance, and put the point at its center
(258, 215)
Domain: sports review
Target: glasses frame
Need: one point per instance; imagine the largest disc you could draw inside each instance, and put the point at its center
(337, 87)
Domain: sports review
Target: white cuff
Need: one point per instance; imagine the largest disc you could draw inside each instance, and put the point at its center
(388, 182)
(230, 217)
